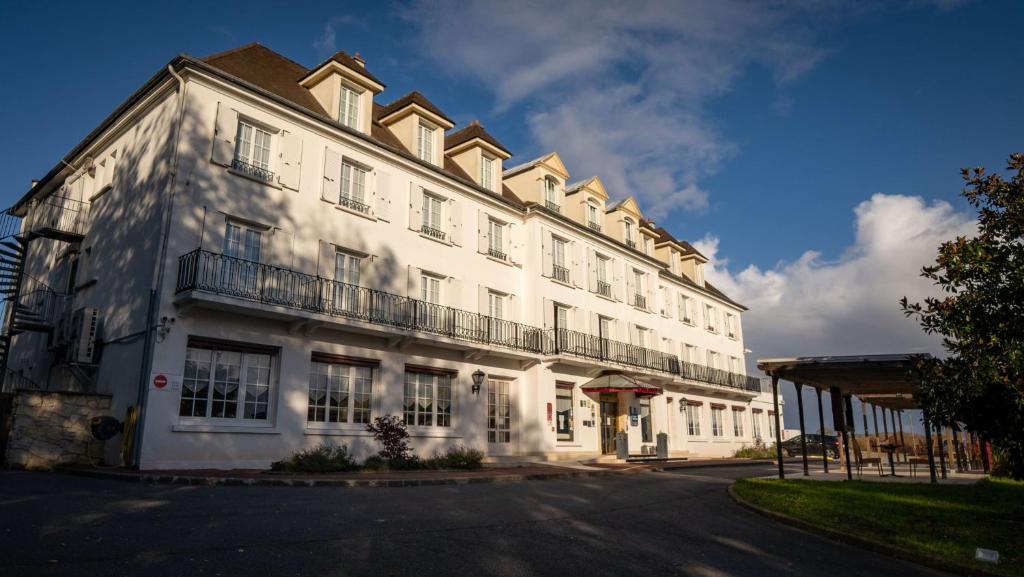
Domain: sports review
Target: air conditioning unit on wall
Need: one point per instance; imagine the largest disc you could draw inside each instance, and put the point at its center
(81, 335)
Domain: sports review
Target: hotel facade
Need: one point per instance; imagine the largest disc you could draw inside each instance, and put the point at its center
(258, 257)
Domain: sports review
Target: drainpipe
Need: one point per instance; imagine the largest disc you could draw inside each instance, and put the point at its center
(146, 366)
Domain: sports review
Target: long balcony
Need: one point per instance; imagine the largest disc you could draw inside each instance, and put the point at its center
(57, 217)
(217, 274)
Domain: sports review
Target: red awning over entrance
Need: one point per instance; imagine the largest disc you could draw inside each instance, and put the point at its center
(620, 383)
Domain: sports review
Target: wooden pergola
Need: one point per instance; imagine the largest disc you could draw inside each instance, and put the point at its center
(888, 381)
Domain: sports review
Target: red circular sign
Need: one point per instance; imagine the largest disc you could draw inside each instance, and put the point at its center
(160, 381)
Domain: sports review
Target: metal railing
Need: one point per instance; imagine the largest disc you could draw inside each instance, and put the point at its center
(219, 274)
(58, 214)
(496, 254)
(354, 204)
(594, 226)
(640, 301)
(631, 243)
(560, 273)
(205, 271)
(10, 224)
(552, 206)
(432, 232)
(604, 289)
(252, 170)
(38, 304)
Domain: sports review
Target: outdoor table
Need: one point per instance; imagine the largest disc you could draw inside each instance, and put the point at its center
(890, 448)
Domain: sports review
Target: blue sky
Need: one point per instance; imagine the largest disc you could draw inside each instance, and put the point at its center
(812, 148)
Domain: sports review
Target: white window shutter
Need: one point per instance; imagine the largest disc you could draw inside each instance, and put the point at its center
(224, 135)
(382, 195)
(651, 306)
(546, 247)
(513, 308)
(331, 190)
(514, 243)
(414, 282)
(595, 325)
(578, 264)
(454, 222)
(454, 296)
(325, 269)
(482, 224)
(579, 319)
(548, 308)
(630, 285)
(617, 280)
(415, 207)
(633, 335)
(483, 304)
(591, 270)
(291, 160)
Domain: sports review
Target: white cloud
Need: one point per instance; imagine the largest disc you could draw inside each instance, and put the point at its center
(620, 90)
(851, 306)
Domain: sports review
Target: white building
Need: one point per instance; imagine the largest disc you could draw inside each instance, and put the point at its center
(261, 257)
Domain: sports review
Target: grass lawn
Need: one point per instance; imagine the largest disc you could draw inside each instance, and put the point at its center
(944, 521)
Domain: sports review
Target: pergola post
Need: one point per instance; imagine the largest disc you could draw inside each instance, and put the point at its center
(892, 418)
(903, 440)
(848, 401)
(874, 416)
(942, 449)
(928, 445)
(803, 433)
(778, 426)
(885, 426)
(821, 430)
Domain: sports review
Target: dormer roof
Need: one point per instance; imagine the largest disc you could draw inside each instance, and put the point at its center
(551, 161)
(475, 131)
(414, 102)
(687, 249)
(592, 184)
(628, 205)
(353, 67)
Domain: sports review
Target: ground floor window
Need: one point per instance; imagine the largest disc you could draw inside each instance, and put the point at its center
(428, 399)
(737, 421)
(771, 425)
(339, 392)
(646, 427)
(499, 412)
(717, 424)
(755, 419)
(563, 411)
(693, 419)
(223, 382)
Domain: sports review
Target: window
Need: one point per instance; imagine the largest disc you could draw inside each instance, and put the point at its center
(686, 309)
(646, 429)
(426, 142)
(562, 325)
(217, 380)
(710, 318)
(496, 239)
(717, 426)
(499, 412)
(630, 233)
(551, 194)
(432, 216)
(487, 172)
(240, 271)
(693, 419)
(641, 337)
(560, 271)
(771, 424)
(689, 353)
(349, 114)
(737, 421)
(730, 325)
(713, 359)
(339, 393)
(242, 242)
(252, 150)
(639, 299)
(755, 418)
(592, 221)
(734, 365)
(346, 276)
(604, 330)
(648, 245)
(430, 292)
(604, 285)
(563, 411)
(428, 399)
(353, 187)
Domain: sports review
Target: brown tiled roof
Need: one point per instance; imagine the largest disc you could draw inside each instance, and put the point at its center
(342, 57)
(474, 130)
(269, 70)
(666, 236)
(413, 97)
(714, 290)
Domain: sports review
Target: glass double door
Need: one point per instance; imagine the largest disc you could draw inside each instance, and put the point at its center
(609, 415)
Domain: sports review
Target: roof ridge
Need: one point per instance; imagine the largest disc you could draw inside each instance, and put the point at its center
(230, 51)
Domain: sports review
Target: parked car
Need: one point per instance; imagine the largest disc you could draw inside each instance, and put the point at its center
(791, 446)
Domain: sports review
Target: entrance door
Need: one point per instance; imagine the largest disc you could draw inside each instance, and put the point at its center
(609, 413)
(499, 416)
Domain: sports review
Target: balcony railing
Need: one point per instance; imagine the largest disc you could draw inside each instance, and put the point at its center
(560, 273)
(214, 273)
(432, 232)
(58, 216)
(631, 243)
(594, 226)
(354, 204)
(496, 254)
(640, 301)
(251, 170)
(552, 206)
(205, 271)
(604, 289)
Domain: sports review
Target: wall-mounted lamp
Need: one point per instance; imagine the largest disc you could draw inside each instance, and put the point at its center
(478, 379)
(682, 405)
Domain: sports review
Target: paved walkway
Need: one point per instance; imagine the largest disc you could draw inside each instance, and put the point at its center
(672, 523)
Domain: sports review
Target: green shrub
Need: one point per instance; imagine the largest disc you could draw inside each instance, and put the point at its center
(375, 463)
(755, 453)
(458, 457)
(324, 458)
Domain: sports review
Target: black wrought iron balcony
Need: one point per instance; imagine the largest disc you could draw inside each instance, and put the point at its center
(251, 170)
(353, 204)
(497, 254)
(604, 289)
(560, 273)
(432, 232)
(631, 243)
(640, 300)
(594, 226)
(552, 206)
(57, 217)
(214, 273)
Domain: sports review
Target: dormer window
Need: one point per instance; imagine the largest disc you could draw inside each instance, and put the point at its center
(425, 142)
(630, 234)
(487, 172)
(349, 111)
(592, 219)
(551, 195)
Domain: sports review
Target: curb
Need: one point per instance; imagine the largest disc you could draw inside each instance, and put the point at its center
(159, 479)
(714, 464)
(862, 543)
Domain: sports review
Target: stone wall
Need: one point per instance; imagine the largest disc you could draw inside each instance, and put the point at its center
(51, 428)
